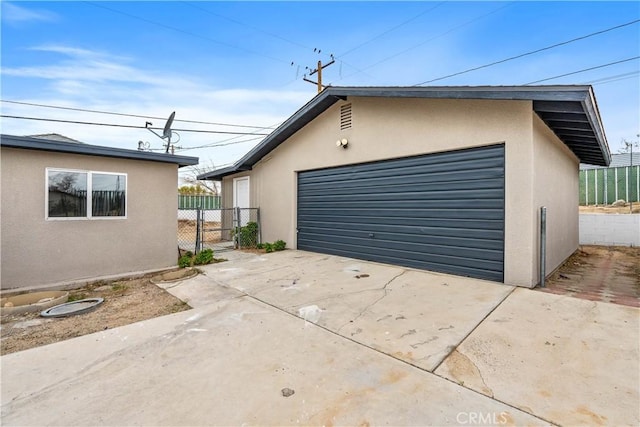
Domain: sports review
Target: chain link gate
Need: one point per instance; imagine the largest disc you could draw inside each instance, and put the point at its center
(218, 229)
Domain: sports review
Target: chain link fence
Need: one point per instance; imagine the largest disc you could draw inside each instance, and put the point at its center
(218, 229)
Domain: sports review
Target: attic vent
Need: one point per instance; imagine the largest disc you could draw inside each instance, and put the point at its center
(345, 117)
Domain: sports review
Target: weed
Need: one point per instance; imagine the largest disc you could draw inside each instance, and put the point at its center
(204, 257)
(185, 261)
(119, 287)
(278, 245)
(179, 306)
(76, 297)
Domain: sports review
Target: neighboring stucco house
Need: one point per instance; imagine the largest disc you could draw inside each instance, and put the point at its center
(448, 179)
(74, 211)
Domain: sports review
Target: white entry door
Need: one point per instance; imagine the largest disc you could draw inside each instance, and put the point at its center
(241, 198)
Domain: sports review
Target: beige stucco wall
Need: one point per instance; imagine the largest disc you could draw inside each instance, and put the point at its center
(390, 128)
(40, 252)
(556, 172)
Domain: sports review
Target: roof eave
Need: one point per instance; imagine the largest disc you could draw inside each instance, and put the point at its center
(325, 99)
(21, 142)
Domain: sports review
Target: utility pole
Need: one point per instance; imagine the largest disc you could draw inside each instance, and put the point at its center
(319, 71)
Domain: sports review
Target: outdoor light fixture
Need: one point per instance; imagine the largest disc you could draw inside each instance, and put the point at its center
(342, 143)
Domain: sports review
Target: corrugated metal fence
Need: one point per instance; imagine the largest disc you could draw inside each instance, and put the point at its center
(201, 201)
(606, 185)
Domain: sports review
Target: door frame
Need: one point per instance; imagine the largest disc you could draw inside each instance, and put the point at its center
(235, 191)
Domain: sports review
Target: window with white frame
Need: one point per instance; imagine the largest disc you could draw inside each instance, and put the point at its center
(86, 194)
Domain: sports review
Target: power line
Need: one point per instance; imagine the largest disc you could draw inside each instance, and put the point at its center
(530, 53)
(127, 126)
(450, 30)
(189, 33)
(614, 78)
(583, 70)
(389, 30)
(293, 42)
(128, 115)
(218, 144)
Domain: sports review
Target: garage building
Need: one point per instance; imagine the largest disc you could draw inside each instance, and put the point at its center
(449, 179)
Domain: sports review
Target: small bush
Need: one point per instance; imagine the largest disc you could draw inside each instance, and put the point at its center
(204, 257)
(248, 236)
(260, 246)
(185, 261)
(279, 245)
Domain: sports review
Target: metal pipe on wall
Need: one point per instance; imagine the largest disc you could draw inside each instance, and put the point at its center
(543, 245)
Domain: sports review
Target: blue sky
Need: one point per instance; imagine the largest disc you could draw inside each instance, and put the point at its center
(231, 62)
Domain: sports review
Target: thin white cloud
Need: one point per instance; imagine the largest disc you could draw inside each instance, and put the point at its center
(14, 14)
(84, 78)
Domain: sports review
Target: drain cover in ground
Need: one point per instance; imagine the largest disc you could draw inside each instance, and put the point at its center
(72, 308)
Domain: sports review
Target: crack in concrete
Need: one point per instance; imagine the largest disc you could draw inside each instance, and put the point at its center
(418, 344)
(477, 370)
(409, 332)
(364, 310)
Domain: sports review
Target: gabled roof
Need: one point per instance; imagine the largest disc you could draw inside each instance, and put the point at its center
(617, 161)
(24, 142)
(55, 137)
(570, 111)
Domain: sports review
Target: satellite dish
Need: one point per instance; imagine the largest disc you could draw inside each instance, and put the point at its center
(167, 128)
(166, 133)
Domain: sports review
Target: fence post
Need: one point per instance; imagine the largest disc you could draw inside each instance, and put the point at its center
(543, 246)
(626, 177)
(198, 242)
(259, 225)
(595, 186)
(586, 187)
(606, 179)
(238, 222)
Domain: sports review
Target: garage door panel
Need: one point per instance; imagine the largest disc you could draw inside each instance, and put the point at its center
(386, 188)
(445, 162)
(411, 213)
(438, 174)
(471, 230)
(416, 178)
(416, 192)
(430, 225)
(409, 236)
(414, 202)
(480, 269)
(421, 250)
(443, 212)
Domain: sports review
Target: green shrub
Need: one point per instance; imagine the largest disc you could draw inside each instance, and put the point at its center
(185, 260)
(279, 245)
(248, 236)
(203, 257)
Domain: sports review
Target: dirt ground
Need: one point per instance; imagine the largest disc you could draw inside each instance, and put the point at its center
(600, 273)
(187, 231)
(611, 209)
(125, 302)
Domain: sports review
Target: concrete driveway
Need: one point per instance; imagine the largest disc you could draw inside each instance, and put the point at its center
(359, 343)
